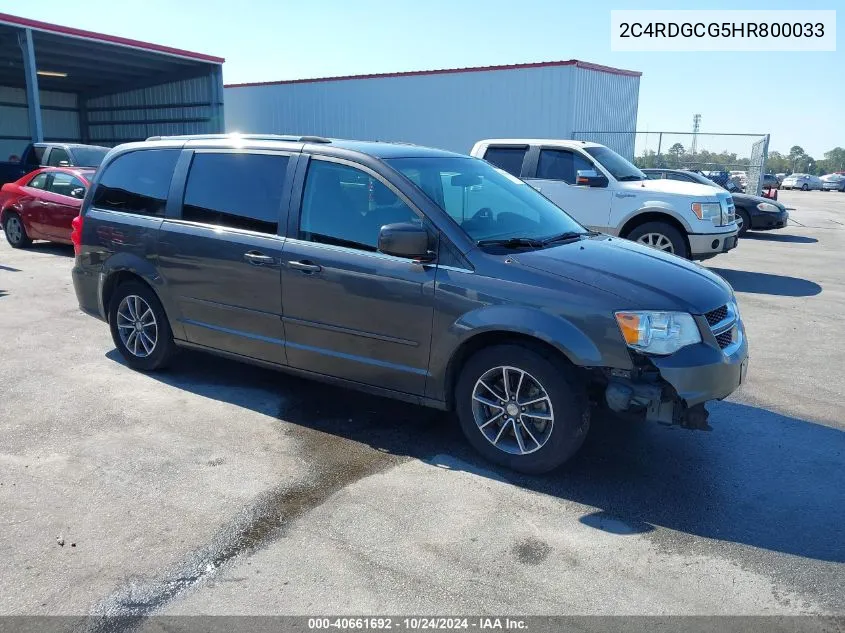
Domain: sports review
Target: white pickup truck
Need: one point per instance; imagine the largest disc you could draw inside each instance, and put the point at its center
(605, 192)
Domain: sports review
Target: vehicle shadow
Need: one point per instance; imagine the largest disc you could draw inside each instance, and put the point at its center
(9, 269)
(759, 478)
(52, 248)
(767, 283)
(779, 237)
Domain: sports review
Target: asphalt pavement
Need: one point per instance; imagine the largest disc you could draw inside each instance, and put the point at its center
(220, 488)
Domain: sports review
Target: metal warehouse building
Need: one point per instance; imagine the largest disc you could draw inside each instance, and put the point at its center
(65, 84)
(450, 109)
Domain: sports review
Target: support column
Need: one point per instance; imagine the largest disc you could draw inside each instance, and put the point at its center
(82, 109)
(33, 101)
(218, 117)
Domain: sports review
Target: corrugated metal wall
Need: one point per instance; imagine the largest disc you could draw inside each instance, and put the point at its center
(180, 107)
(606, 102)
(190, 106)
(59, 124)
(451, 111)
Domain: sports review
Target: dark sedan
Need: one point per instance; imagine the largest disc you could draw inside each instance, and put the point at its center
(753, 213)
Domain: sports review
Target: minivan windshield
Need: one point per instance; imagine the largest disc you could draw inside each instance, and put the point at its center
(487, 202)
(618, 167)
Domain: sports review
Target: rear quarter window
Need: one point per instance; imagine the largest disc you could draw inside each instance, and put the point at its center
(137, 182)
(507, 158)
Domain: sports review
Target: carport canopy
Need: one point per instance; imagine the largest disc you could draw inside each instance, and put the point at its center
(40, 56)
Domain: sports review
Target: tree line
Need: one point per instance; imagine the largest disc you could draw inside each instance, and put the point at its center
(797, 160)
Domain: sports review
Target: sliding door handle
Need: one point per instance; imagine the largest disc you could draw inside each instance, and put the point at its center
(306, 266)
(254, 257)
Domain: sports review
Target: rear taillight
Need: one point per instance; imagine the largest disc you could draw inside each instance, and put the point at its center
(76, 234)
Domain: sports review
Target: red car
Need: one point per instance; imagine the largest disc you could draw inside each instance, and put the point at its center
(42, 205)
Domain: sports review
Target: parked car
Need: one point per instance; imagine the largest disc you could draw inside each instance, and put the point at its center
(51, 155)
(605, 192)
(769, 181)
(833, 182)
(453, 285)
(42, 205)
(753, 213)
(805, 182)
(780, 178)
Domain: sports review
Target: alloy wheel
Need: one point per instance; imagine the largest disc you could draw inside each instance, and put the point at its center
(14, 230)
(137, 326)
(512, 410)
(658, 241)
(739, 221)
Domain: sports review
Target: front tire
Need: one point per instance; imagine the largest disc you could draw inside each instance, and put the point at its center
(522, 409)
(743, 221)
(139, 327)
(804, 187)
(661, 236)
(15, 231)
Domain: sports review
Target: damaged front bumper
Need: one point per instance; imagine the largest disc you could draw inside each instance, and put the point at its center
(673, 389)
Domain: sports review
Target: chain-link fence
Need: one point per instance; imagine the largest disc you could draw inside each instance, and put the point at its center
(721, 157)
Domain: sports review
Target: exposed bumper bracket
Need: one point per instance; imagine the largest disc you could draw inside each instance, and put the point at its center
(657, 405)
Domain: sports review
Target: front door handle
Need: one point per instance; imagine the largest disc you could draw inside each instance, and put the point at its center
(306, 266)
(254, 257)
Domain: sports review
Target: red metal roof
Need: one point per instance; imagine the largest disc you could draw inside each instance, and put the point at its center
(448, 71)
(37, 25)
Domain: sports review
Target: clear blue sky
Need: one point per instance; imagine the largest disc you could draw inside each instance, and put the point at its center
(799, 98)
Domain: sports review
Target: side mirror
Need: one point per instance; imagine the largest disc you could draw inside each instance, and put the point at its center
(590, 178)
(77, 192)
(64, 163)
(405, 239)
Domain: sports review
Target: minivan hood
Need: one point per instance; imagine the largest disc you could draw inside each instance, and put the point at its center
(643, 278)
(673, 187)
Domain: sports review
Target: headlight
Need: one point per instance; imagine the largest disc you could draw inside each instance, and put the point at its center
(768, 206)
(658, 332)
(707, 210)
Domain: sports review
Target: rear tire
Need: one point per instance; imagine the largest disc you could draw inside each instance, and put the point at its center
(545, 405)
(662, 236)
(746, 222)
(139, 327)
(15, 231)
(804, 187)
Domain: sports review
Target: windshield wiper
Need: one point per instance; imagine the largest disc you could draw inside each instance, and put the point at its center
(569, 235)
(513, 242)
(630, 178)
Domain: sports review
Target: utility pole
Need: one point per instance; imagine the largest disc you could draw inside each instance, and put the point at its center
(696, 125)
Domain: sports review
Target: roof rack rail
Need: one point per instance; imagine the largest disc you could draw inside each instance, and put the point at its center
(249, 137)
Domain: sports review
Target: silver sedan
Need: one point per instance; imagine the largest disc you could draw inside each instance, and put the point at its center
(805, 182)
(833, 182)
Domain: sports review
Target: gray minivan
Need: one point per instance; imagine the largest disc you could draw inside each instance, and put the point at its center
(405, 271)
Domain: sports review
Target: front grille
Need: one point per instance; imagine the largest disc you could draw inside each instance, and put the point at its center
(716, 316)
(725, 338)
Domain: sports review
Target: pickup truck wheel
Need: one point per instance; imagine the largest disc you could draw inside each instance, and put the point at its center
(15, 231)
(521, 409)
(661, 236)
(743, 222)
(139, 327)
